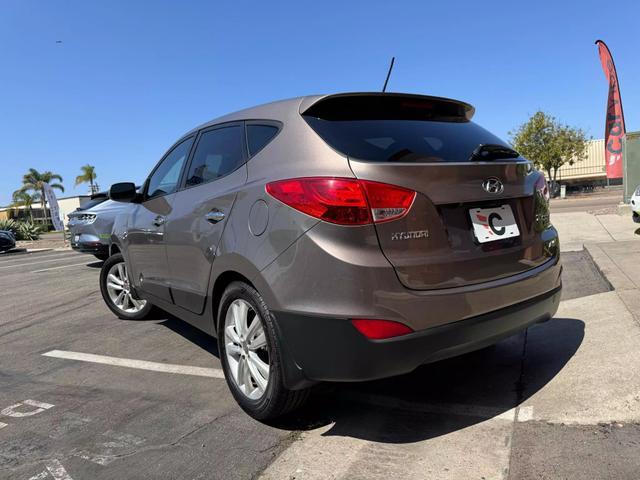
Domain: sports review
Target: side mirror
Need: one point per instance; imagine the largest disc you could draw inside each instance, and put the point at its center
(123, 192)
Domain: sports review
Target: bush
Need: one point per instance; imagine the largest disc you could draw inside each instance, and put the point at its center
(27, 231)
(21, 230)
(9, 225)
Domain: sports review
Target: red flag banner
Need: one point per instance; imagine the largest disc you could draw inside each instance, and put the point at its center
(614, 129)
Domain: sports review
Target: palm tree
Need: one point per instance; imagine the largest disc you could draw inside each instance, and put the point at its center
(25, 199)
(33, 181)
(88, 176)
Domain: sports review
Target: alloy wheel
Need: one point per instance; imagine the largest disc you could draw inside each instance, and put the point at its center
(246, 349)
(119, 290)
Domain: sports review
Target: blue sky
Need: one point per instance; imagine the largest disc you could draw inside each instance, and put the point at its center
(130, 76)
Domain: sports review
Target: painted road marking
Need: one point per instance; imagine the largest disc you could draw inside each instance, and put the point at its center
(524, 414)
(63, 266)
(2, 425)
(40, 407)
(55, 468)
(60, 259)
(139, 364)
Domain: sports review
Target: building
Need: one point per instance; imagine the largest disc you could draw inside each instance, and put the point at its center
(67, 205)
(591, 170)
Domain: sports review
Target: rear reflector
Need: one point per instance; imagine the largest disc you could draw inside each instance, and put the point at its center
(380, 329)
(345, 201)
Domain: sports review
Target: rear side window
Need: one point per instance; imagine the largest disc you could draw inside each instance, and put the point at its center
(397, 128)
(258, 136)
(218, 153)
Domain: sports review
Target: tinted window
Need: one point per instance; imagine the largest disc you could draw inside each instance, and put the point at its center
(92, 203)
(258, 136)
(165, 178)
(218, 153)
(404, 140)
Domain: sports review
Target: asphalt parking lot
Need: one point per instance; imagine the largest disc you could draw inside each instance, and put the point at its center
(87, 396)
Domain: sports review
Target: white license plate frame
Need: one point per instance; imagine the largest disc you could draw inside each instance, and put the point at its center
(492, 224)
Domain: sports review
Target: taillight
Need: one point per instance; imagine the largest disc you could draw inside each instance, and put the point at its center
(380, 329)
(387, 202)
(345, 201)
(542, 187)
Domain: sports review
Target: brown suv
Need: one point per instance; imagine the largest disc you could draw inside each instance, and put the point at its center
(337, 238)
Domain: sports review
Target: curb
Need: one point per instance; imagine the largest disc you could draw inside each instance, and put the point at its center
(607, 267)
(624, 286)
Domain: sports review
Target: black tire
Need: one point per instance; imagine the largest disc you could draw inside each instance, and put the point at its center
(142, 314)
(277, 399)
(101, 256)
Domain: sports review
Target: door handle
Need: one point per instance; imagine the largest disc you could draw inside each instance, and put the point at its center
(214, 216)
(158, 221)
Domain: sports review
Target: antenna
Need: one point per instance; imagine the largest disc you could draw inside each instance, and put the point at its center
(393, 59)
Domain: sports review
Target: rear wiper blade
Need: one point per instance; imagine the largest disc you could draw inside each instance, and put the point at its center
(491, 151)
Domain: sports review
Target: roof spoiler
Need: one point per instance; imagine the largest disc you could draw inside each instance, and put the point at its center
(388, 106)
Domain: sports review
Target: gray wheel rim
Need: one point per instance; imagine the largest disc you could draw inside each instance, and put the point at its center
(246, 349)
(119, 290)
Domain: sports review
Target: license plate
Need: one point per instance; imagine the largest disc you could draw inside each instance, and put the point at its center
(490, 224)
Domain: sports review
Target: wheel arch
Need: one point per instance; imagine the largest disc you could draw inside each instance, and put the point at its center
(113, 249)
(220, 285)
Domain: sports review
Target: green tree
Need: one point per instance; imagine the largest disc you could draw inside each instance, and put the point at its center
(549, 143)
(88, 176)
(25, 199)
(33, 181)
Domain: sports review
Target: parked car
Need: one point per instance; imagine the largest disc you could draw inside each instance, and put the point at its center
(7, 240)
(635, 205)
(344, 238)
(90, 228)
(96, 199)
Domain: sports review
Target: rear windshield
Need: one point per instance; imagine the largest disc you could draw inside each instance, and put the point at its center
(400, 140)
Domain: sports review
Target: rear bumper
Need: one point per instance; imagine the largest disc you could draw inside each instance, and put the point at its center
(331, 349)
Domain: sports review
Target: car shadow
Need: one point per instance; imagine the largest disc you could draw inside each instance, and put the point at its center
(192, 334)
(437, 398)
(445, 396)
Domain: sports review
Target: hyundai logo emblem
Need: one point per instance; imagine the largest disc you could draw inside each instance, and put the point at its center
(493, 185)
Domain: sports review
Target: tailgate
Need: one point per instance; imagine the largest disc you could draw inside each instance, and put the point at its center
(435, 246)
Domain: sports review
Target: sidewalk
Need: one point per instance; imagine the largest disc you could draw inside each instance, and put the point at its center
(561, 401)
(579, 228)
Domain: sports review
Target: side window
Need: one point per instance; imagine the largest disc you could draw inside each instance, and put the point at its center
(166, 177)
(218, 153)
(258, 136)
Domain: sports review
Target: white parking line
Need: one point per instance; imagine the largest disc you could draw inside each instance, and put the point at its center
(53, 468)
(63, 266)
(61, 257)
(140, 364)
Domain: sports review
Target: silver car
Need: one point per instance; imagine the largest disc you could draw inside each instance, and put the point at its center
(343, 237)
(90, 228)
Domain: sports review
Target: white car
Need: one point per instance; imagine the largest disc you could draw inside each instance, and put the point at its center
(635, 205)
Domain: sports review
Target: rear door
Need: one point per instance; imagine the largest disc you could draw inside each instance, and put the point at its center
(146, 250)
(201, 211)
(427, 145)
